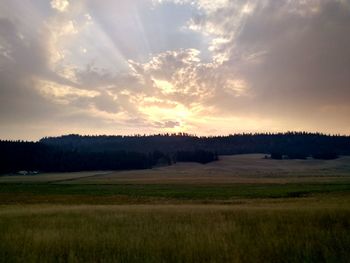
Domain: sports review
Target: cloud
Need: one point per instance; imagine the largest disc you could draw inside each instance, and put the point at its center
(288, 58)
(38, 96)
(279, 49)
(182, 77)
(61, 93)
(168, 124)
(60, 5)
(174, 65)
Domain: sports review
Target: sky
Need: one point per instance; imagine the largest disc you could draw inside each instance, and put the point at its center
(204, 67)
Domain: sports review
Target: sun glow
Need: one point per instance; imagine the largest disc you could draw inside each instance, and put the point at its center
(165, 86)
(247, 8)
(177, 113)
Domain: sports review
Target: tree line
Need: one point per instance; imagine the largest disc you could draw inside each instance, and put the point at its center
(37, 156)
(291, 143)
(78, 153)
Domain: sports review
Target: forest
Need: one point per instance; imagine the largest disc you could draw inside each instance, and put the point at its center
(82, 153)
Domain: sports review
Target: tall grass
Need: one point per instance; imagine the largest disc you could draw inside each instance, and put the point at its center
(169, 233)
(80, 193)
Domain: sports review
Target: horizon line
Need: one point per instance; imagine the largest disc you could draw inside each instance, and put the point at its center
(183, 134)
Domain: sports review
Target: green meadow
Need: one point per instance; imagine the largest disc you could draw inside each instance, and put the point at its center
(239, 209)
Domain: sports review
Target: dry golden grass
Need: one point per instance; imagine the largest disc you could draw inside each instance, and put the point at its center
(245, 169)
(248, 169)
(263, 231)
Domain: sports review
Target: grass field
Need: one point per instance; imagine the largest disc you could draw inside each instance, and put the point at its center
(245, 169)
(239, 209)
